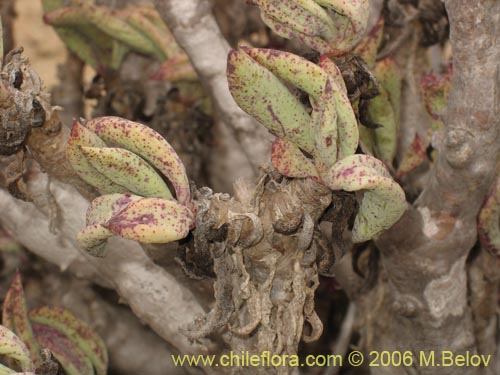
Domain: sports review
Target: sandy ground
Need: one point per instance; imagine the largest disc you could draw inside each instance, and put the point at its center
(40, 42)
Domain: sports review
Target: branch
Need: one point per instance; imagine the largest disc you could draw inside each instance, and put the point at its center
(153, 294)
(197, 32)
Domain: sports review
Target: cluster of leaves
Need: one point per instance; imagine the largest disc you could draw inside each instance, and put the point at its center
(318, 139)
(101, 37)
(128, 162)
(23, 335)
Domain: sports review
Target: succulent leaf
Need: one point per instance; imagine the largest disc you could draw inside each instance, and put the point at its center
(152, 220)
(80, 136)
(93, 237)
(4, 370)
(264, 96)
(413, 157)
(12, 346)
(435, 91)
(79, 332)
(369, 46)
(324, 25)
(176, 69)
(384, 110)
(148, 144)
(15, 317)
(127, 169)
(290, 161)
(383, 202)
(71, 358)
(105, 207)
(332, 121)
(148, 29)
(315, 42)
(87, 15)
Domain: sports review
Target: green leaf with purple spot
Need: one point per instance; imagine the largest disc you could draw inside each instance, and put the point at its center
(11, 346)
(79, 333)
(290, 161)
(383, 201)
(435, 91)
(264, 96)
(328, 26)
(80, 136)
(70, 356)
(15, 317)
(148, 144)
(93, 237)
(126, 169)
(152, 220)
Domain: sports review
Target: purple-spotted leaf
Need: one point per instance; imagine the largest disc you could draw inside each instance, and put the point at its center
(488, 226)
(328, 26)
(314, 42)
(126, 169)
(105, 207)
(383, 201)
(291, 68)
(70, 356)
(290, 161)
(148, 144)
(152, 220)
(85, 15)
(334, 72)
(304, 17)
(435, 91)
(413, 157)
(93, 237)
(15, 317)
(264, 96)
(384, 110)
(333, 122)
(80, 136)
(368, 47)
(176, 69)
(11, 346)
(79, 332)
